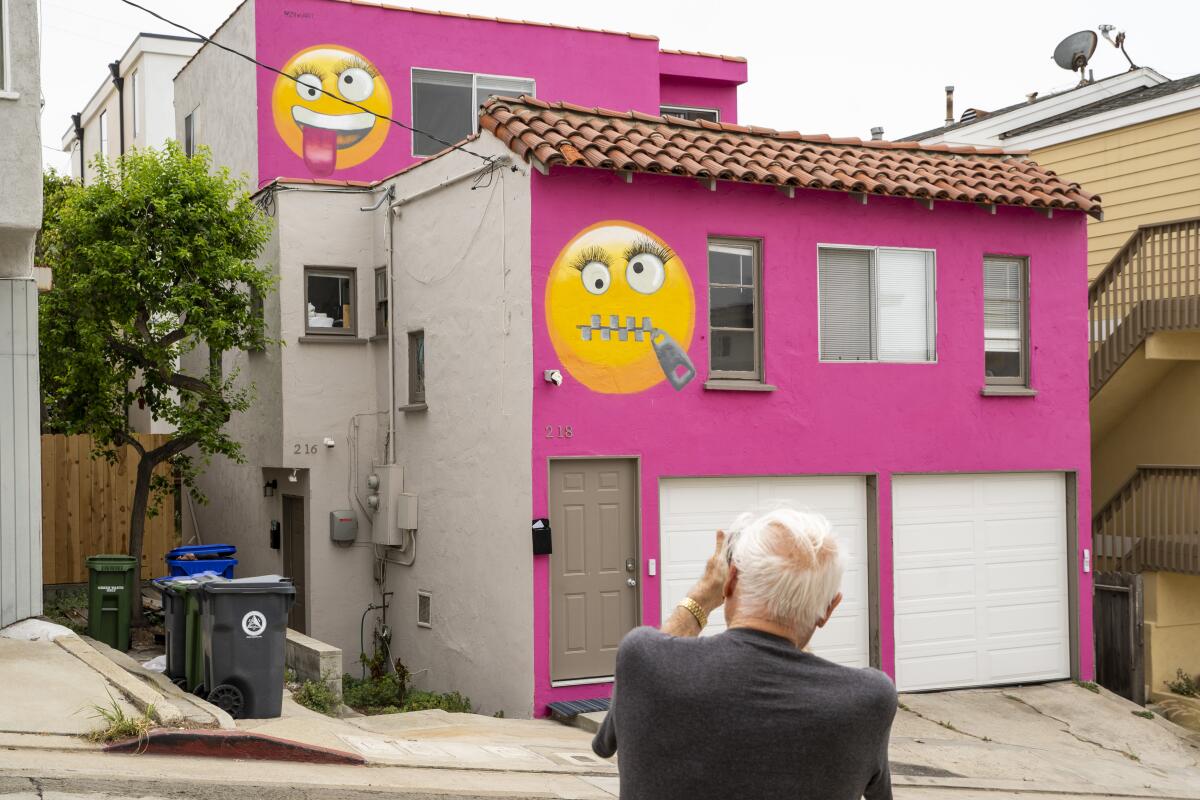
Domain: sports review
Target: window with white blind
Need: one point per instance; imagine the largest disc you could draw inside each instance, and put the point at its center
(445, 105)
(876, 304)
(1005, 321)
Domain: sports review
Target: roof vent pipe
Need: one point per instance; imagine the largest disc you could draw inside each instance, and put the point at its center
(949, 105)
(877, 134)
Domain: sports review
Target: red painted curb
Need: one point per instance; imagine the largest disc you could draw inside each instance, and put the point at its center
(233, 744)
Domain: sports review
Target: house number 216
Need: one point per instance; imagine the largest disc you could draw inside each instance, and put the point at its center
(305, 449)
(559, 432)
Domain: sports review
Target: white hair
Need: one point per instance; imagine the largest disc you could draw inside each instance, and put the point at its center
(789, 566)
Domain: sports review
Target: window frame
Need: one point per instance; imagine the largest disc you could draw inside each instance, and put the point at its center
(758, 375)
(475, 76)
(669, 108)
(382, 329)
(333, 272)
(930, 304)
(189, 134)
(416, 394)
(1023, 327)
(102, 132)
(6, 90)
(134, 79)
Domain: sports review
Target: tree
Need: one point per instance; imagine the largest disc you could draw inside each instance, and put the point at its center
(153, 260)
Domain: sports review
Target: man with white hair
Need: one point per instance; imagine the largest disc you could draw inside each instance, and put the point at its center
(748, 713)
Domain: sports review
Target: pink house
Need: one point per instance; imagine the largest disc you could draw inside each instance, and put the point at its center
(628, 329)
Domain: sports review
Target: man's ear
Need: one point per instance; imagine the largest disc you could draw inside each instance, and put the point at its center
(731, 580)
(837, 599)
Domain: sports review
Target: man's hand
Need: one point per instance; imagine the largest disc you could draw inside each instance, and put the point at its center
(709, 592)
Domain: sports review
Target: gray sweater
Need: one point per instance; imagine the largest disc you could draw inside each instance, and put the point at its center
(744, 714)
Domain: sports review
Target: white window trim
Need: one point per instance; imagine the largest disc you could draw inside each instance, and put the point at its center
(133, 111)
(475, 76)
(663, 109)
(6, 92)
(931, 303)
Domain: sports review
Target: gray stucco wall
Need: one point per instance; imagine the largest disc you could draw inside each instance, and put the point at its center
(220, 88)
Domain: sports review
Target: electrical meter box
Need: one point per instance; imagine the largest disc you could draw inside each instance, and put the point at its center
(406, 511)
(343, 526)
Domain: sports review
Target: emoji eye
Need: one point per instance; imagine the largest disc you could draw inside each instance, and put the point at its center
(308, 86)
(596, 277)
(356, 84)
(645, 273)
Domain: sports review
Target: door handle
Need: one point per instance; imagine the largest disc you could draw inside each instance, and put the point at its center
(631, 582)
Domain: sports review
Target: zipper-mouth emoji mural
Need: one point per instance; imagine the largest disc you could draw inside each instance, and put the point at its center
(620, 310)
(312, 117)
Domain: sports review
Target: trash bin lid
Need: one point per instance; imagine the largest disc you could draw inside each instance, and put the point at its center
(111, 563)
(202, 550)
(259, 584)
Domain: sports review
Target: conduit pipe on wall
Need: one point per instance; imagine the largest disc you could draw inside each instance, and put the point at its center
(389, 457)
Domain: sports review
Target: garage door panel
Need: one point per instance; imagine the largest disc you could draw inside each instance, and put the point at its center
(692, 509)
(989, 605)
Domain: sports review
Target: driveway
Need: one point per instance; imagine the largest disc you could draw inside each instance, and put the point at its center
(1058, 737)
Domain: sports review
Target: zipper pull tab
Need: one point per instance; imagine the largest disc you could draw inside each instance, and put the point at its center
(674, 361)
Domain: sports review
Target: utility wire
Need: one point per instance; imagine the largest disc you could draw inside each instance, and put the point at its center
(294, 79)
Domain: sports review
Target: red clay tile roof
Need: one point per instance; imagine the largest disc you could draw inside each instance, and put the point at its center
(571, 135)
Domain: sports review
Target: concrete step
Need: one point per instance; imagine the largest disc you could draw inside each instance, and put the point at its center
(589, 721)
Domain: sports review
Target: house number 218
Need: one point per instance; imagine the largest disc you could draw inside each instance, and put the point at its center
(559, 432)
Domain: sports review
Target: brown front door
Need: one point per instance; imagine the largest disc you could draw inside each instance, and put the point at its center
(293, 558)
(593, 567)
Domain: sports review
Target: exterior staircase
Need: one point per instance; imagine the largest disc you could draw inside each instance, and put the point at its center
(1151, 524)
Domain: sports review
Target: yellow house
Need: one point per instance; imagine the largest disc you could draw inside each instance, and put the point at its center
(1134, 139)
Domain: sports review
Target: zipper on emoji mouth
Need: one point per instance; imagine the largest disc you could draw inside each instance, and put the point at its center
(604, 331)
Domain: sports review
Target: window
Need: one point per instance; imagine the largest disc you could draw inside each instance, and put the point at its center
(445, 105)
(416, 368)
(133, 100)
(734, 309)
(3, 45)
(329, 297)
(1005, 320)
(876, 304)
(104, 133)
(381, 301)
(710, 114)
(189, 134)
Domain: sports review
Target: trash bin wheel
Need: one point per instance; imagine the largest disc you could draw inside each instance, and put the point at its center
(180, 682)
(229, 699)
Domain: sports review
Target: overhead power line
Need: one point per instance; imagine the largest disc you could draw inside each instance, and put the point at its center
(281, 73)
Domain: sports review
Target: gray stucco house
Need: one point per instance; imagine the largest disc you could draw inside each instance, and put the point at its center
(20, 218)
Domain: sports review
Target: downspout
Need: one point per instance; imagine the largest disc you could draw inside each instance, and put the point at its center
(388, 196)
(115, 69)
(77, 121)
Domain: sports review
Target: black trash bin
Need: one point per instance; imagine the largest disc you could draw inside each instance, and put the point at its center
(174, 606)
(245, 631)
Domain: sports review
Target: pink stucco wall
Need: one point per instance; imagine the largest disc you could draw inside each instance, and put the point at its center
(597, 69)
(824, 418)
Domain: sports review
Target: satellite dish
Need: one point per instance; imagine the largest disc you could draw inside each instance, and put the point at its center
(1074, 51)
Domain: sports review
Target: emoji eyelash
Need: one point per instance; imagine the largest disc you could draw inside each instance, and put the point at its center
(307, 68)
(645, 245)
(356, 63)
(589, 255)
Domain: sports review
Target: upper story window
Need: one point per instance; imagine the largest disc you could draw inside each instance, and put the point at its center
(876, 304)
(687, 112)
(104, 133)
(381, 301)
(329, 299)
(189, 134)
(1005, 321)
(734, 309)
(134, 93)
(445, 105)
(3, 45)
(416, 368)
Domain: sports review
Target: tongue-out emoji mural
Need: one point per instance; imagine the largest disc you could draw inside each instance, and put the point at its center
(620, 310)
(312, 117)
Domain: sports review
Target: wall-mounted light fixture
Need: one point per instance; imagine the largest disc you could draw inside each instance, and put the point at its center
(292, 478)
(269, 488)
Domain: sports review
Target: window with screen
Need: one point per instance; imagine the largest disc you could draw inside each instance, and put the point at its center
(685, 112)
(876, 304)
(416, 367)
(329, 299)
(445, 105)
(189, 134)
(1005, 321)
(381, 301)
(734, 309)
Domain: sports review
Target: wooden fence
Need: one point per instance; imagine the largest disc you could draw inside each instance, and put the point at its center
(85, 509)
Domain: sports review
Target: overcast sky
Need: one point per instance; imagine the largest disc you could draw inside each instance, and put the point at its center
(819, 67)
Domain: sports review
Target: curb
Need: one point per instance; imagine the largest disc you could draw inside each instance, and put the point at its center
(143, 696)
(233, 744)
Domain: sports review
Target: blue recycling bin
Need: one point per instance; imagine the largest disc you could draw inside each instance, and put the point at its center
(215, 558)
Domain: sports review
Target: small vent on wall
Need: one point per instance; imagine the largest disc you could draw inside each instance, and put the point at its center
(424, 614)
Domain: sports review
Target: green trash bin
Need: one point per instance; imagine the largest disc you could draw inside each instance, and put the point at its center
(112, 582)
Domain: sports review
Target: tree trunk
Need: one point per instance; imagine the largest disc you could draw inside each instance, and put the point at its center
(137, 530)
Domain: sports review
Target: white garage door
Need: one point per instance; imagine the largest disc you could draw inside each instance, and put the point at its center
(980, 579)
(691, 510)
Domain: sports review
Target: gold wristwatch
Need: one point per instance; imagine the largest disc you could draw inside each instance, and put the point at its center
(696, 611)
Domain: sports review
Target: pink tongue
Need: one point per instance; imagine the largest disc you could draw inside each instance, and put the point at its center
(320, 150)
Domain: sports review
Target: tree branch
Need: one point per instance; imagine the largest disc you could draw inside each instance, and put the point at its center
(186, 383)
(170, 449)
(124, 437)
